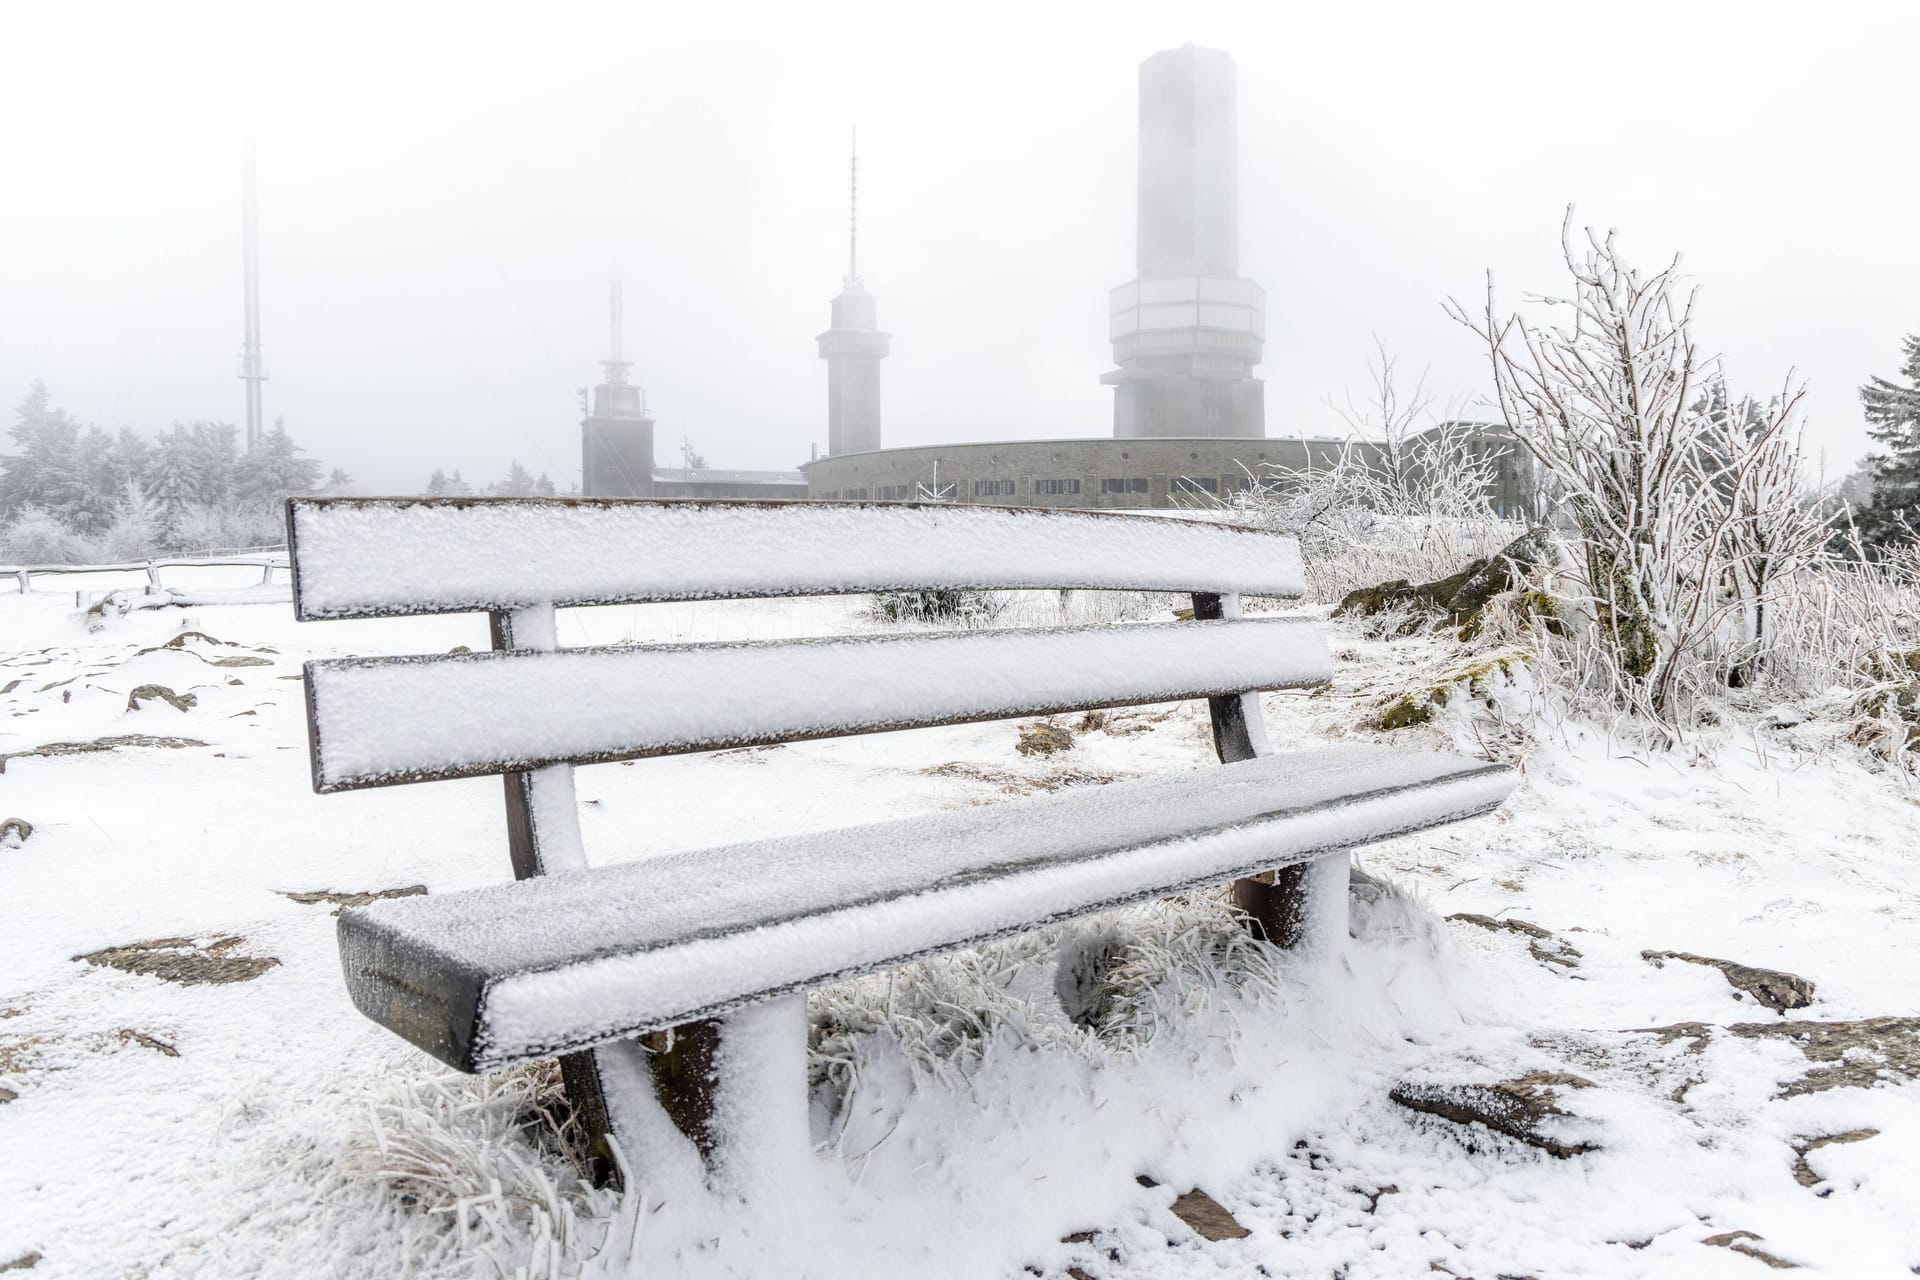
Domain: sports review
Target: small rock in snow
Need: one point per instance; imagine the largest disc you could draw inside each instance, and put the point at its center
(183, 960)
(343, 900)
(14, 832)
(1042, 739)
(1520, 1108)
(1861, 1053)
(1207, 1216)
(178, 701)
(1802, 1172)
(1782, 717)
(1737, 1241)
(1543, 946)
(1777, 990)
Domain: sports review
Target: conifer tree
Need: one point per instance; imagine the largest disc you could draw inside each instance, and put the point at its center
(518, 484)
(44, 437)
(1892, 408)
(171, 481)
(274, 469)
(216, 451)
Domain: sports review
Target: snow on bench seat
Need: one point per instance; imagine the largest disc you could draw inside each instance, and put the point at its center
(491, 977)
(379, 557)
(378, 721)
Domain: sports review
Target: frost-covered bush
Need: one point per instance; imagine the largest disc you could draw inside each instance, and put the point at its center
(1687, 516)
(963, 607)
(1358, 527)
(33, 536)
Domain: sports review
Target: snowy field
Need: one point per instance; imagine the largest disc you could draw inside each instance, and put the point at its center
(209, 1104)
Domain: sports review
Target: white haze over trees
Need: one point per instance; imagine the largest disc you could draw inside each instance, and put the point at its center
(443, 193)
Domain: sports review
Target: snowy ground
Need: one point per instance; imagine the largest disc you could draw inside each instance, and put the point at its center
(967, 1125)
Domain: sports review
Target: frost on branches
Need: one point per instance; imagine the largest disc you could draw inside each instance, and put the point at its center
(1686, 516)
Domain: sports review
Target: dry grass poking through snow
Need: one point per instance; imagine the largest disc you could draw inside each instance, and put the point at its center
(481, 1170)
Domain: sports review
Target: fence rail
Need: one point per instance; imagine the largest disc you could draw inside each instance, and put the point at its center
(266, 559)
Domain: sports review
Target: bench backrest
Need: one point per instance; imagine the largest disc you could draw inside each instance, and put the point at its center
(379, 721)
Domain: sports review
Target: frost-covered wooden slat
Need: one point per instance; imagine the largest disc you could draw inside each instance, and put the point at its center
(377, 721)
(373, 557)
(490, 977)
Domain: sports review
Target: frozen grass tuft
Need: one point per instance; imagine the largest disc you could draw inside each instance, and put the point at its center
(483, 1169)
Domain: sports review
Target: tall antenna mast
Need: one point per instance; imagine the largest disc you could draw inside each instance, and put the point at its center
(853, 211)
(253, 369)
(615, 365)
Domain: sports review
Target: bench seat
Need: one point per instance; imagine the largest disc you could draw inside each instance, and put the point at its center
(492, 977)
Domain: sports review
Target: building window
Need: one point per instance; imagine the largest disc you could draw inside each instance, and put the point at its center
(893, 492)
(1195, 484)
(856, 495)
(1131, 484)
(1054, 488)
(993, 488)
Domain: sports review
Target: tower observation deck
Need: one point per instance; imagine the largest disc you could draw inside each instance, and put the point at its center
(1188, 329)
(853, 348)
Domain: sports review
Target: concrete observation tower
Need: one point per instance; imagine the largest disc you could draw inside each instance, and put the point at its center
(616, 440)
(1188, 329)
(853, 348)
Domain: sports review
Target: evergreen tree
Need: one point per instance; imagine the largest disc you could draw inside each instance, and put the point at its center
(172, 482)
(132, 456)
(216, 452)
(437, 484)
(1893, 420)
(80, 488)
(458, 488)
(518, 484)
(45, 438)
(273, 469)
(543, 487)
(338, 481)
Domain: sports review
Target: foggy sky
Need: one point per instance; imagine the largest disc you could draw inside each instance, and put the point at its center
(444, 192)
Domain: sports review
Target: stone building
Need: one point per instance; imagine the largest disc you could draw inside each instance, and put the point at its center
(1139, 474)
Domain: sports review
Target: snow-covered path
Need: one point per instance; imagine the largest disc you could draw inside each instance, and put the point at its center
(233, 1125)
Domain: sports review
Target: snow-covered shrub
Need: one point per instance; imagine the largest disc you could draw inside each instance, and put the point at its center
(1359, 526)
(33, 536)
(1688, 519)
(949, 607)
(206, 525)
(133, 532)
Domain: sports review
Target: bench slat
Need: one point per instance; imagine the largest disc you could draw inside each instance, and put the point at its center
(380, 721)
(491, 977)
(377, 557)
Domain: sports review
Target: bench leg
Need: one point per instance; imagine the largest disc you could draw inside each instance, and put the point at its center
(647, 1136)
(737, 1086)
(1302, 907)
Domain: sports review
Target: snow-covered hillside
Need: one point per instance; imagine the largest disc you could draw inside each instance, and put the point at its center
(185, 1090)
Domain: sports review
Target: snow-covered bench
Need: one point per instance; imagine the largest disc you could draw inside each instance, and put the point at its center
(719, 944)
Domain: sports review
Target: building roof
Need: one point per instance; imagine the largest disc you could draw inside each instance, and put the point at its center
(687, 475)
